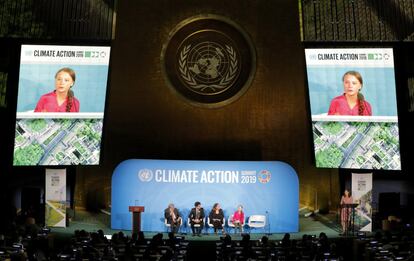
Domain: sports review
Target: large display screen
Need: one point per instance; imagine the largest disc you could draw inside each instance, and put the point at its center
(60, 104)
(354, 108)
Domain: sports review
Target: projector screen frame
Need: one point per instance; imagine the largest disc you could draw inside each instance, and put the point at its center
(14, 103)
(398, 79)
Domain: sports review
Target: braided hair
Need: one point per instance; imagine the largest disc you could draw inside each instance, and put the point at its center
(361, 104)
(361, 98)
(70, 100)
(71, 94)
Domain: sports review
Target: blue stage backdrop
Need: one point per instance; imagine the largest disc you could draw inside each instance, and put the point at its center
(269, 188)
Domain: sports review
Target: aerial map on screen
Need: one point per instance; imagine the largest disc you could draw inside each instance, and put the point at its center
(356, 145)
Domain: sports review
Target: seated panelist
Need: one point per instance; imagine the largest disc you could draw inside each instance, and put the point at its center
(217, 218)
(172, 215)
(197, 219)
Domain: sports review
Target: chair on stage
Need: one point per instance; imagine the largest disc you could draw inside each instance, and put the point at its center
(232, 226)
(212, 226)
(168, 226)
(256, 221)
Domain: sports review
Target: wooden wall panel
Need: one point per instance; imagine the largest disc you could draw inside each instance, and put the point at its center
(145, 119)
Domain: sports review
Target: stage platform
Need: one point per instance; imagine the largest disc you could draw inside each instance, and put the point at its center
(311, 225)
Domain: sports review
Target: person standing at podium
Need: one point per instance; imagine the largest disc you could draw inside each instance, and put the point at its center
(345, 210)
(172, 215)
(197, 219)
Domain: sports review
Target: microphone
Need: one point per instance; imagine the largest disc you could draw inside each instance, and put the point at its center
(268, 223)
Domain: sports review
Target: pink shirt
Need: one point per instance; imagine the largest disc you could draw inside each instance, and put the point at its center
(48, 103)
(238, 216)
(347, 200)
(339, 106)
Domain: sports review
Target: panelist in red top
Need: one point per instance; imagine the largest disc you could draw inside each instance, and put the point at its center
(238, 218)
(62, 99)
(352, 102)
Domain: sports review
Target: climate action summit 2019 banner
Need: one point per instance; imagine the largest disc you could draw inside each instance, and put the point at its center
(269, 188)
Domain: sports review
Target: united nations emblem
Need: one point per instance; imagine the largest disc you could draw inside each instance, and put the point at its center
(208, 67)
(264, 176)
(209, 61)
(145, 175)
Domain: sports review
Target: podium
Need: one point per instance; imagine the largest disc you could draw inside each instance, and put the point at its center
(350, 216)
(136, 218)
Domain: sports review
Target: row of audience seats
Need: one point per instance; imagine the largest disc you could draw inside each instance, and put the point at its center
(309, 248)
(25, 244)
(385, 246)
(96, 246)
(91, 246)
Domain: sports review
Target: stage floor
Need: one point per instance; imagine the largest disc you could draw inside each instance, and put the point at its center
(312, 225)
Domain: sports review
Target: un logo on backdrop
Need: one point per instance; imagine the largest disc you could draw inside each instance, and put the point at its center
(145, 175)
(209, 60)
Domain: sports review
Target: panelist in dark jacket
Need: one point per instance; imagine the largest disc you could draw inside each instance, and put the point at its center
(217, 218)
(197, 219)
